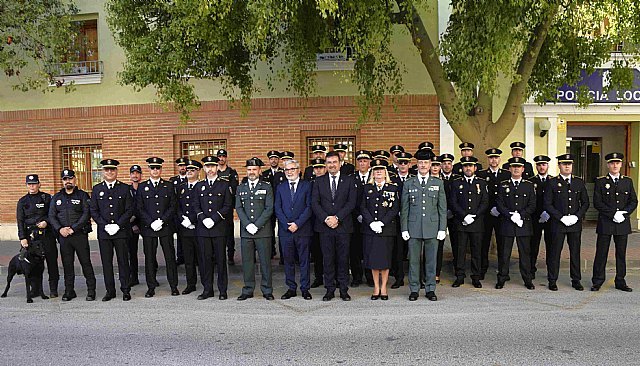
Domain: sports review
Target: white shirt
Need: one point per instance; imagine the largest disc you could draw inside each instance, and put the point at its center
(363, 176)
(110, 184)
(331, 179)
(211, 181)
(154, 182)
(617, 176)
(566, 177)
(421, 177)
(295, 184)
(252, 183)
(516, 180)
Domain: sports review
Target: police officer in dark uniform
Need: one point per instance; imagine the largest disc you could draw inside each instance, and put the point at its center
(177, 180)
(319, 169)
(469, 203)
(214, 207)
(69, 215)
(156, 206)
(111, 209)
(393, 163)
(540, 218)
(319, 152)
(363, 175)
(32, 216)
(615, 199)
(231, 175)
(426, 146)
(401, 247)
(517, 151)
(566, 201)
(135, 176)
(274, 163)
(447, 176)
(346, 168)
(493, 175)
(466, 149)
(516, 203)
(187, 221)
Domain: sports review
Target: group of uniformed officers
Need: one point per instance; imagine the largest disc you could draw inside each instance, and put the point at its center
(362, 220)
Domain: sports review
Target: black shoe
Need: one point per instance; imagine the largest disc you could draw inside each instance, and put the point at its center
(345, 296)
(552, 286)
(356, 283)
(150, 293)
(431, 296)
(458, 282)
(413, 296)
(289, 294)
(376, 296)
(203, 296)
(108, 297)
(268, 297)
(126, 296)
(68, 296)
(500, 285)
(384, 297)
(422, 286)
(43, 296)
(53, 294)
(179, 261)
(476, 283)
(231, 262)
(188, 290)
(624, 288)
(577, 285)
(482, 277)
(223, 296)
(529, 285)
(595, 288)
(397, 284)
(243, 297)
(91, 296)
(306, 295)
(316, 283)
(328, 296)
(175, 292)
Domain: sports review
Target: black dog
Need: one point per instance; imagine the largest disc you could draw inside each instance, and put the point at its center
(30, 263)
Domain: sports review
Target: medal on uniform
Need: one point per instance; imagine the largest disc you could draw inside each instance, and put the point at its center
(507, 190)
(607, 186)
(385, 204)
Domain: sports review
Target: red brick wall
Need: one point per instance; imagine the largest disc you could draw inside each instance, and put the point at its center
(30, 140)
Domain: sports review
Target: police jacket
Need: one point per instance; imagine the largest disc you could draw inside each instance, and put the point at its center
(32, 209)
(70, 210)
(112, 206)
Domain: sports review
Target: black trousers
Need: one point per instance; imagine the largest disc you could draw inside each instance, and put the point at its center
(474, 241)
(121, 247)
(602, 252)
(230, 239)
(439, 259)
(150, 246)
(491, 225)
(523, 254)
(316, 256)
(538, 230)
(453, 238)
(397, 257)
(189, 251)
(51, 257)
(553, 259)
(76, 244)
(335, 254)
(356, 256)
(179, 249)
(133, 256)
(211, 249)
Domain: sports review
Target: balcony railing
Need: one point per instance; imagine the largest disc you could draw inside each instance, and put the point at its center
(76, 68)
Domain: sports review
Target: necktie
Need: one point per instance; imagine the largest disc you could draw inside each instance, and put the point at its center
(190, 185)
(333, 187)
(515, 183)
(615, 181)
(543, 179)
(252, 186)
(155, 184)
(109, 186)
(293, 190)
(379, 188)
(423, 181)
(469, 181)
(403, 179)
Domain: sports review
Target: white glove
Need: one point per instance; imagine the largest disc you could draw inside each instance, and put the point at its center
(574, 219)
(208, 223)
(441, 235)
(468, 220)
(567, 221)
(495, 212)
(185, 222)
(252, 229)
(520, 223)
(544, 217)
(156, 225)
(114, 229)
(619, 217)
(109, 229)
(515, 217)
(359, 218)
(376, 226)
(191, 227)
(405, 235)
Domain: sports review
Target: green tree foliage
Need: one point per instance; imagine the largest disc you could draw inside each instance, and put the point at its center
(33, 35)
(514, 49)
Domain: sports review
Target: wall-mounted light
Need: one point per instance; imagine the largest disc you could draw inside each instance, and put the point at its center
(544, 126)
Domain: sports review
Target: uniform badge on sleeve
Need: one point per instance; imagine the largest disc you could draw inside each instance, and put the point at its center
(58, 202)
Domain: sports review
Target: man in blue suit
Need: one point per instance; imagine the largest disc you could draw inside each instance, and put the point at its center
(333, 201)
(293, 210)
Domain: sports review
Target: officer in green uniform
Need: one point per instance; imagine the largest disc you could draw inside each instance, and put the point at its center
(423, 219)
(254, 205)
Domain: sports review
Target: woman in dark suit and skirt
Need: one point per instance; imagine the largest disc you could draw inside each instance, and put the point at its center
(379, 209)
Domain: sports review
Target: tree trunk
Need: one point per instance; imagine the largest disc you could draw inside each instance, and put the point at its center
(482, 132)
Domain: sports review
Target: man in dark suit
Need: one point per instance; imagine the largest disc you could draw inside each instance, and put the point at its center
(469, 203)
(516, 203)
(517, 151)
(111, 209)
(318, 152)
(187, 221)
(214, 207)
(540, 218)
(319, 169)
(493, 175)
(333, 201)
(566, 201)
(615, 199)
(295, 228)
(346, 168)
(156, 206)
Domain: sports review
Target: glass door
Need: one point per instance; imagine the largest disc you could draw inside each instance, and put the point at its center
(587, 152)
